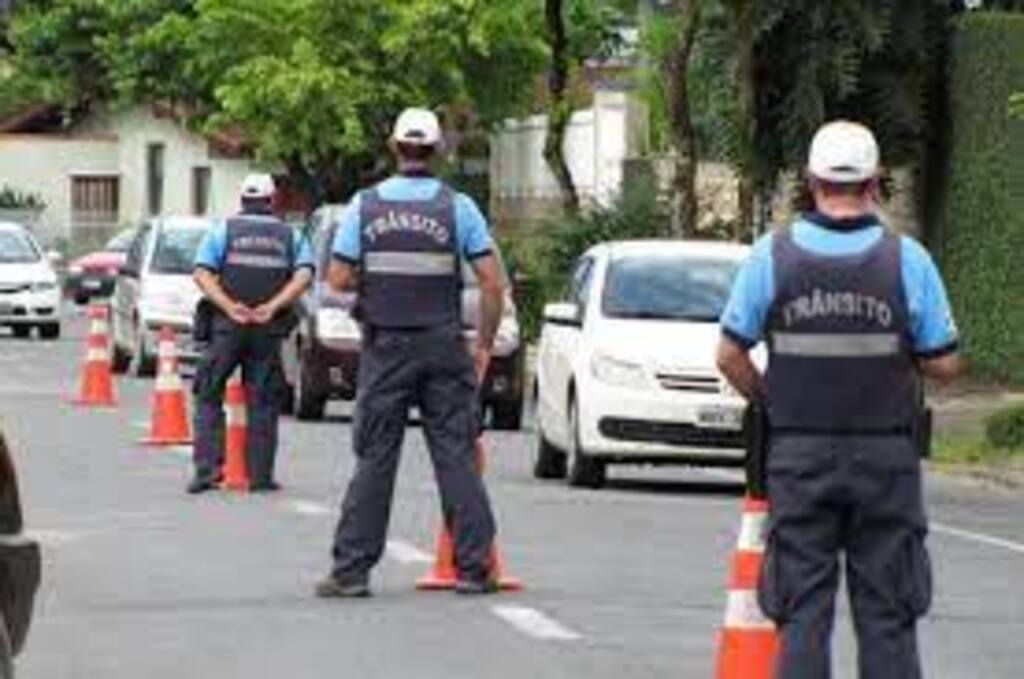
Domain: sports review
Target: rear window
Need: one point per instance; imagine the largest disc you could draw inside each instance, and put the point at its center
(175, 251)
(17, 248)
(668, 287)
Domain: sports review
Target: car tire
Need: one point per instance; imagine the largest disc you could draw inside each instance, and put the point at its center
(584, 470)
(81, 299)
(507, 415)
(120, 360)
(143, 363)
(309, 405)
(49, 331)
(21, 331)
(549, 462)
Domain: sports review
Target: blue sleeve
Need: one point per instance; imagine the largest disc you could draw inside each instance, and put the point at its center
(471, 232)
(210, 254)
(752, 294)
(302, 255)
(347, 245)
(932, 328)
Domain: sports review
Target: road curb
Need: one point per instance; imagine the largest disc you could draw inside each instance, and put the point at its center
(1001, 475)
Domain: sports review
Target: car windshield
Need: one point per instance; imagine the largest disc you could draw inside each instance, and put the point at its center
(17, 248)
(121, 242)
(175, 251)
(668, 287)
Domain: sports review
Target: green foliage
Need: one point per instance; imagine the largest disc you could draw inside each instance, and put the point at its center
(11, 199)
(1016, 105)
(983, 236)
(1005, 429)
(543, 262)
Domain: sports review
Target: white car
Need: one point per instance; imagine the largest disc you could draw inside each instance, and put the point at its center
(154, 290)
(29, 294)
(626, 365)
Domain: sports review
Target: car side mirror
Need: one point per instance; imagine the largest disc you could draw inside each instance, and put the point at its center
(563, 313)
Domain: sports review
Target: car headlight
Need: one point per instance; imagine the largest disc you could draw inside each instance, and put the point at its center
(618, 372)
(76, 270)
(45, 286)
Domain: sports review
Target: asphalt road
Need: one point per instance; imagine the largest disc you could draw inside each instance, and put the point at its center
(144, 581)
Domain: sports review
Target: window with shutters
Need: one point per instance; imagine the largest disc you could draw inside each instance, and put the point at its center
(95, 200)
(155, 178)
(201, 177)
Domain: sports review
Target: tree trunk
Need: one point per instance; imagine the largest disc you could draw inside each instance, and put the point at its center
(746, 83)
(674, 72)
(559, 108)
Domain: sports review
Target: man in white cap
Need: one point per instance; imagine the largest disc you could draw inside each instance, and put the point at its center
(251, 269)
(853, 315)
(407, 238)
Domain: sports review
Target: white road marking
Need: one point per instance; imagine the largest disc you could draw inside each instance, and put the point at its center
(532, 622)
(403, 552)
(307, 508)
(982, 538)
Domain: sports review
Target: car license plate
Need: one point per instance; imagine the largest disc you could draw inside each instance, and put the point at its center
(720, 417)
(336, 324)
(92, 284)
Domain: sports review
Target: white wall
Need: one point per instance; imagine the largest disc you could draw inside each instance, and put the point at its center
(137, 129)
(45, 164)
(597, 141)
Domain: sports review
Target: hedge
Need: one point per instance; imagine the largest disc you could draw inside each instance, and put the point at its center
(982, 241)
(1005, 429)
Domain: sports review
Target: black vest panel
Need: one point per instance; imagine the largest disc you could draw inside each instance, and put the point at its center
(411, 275)
(838, 338)
(258, 259)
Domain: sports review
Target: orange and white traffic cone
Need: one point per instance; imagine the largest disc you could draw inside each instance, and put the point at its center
(236, 475)
(97, 385)
(169, 424)
(442, 574)
(748, 642)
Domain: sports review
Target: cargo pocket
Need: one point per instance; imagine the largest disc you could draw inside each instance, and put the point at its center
(913, 576)
(773, 593)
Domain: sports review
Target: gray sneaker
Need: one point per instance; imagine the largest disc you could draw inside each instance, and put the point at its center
(333, 587)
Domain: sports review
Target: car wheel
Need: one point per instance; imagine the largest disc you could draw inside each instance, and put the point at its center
(549, 462)
(309, 405)
(143, 363)
(49, 331)
(81, 299)
(584, 470)
(21, 331)
(507, 415)
(119, 360)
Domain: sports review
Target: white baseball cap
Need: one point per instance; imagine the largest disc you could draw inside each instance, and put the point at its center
(418, 127)
(843, 152)
(258, 186)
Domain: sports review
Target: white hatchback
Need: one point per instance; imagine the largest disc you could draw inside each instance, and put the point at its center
(29, 294)
(626, 365)
(155, 290)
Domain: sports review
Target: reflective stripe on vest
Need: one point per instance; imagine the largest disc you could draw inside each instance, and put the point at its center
(410, 263)
(836, 345)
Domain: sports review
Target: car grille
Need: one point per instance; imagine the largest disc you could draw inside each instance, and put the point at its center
(695, 382)
(672, 433)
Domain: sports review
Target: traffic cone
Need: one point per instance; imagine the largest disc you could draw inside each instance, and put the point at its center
(169, 424)
(442, 574)
(97, 385)
(748, 642)
(236, 476)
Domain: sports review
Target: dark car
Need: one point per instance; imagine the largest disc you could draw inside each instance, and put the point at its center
(321, 358)
(94, 274)
(20, 566)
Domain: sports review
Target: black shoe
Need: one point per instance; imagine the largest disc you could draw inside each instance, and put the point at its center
(476, 587)
(201, 484)
(333, 587)
(265, 487)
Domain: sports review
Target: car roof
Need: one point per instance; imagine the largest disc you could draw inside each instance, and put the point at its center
(667, 246)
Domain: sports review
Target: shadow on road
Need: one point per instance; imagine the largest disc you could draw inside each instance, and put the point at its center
(676, 487)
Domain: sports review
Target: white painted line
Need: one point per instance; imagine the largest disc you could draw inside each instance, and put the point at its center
(989, 540)
(533, 623)
(307, 508)
(403, 552)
